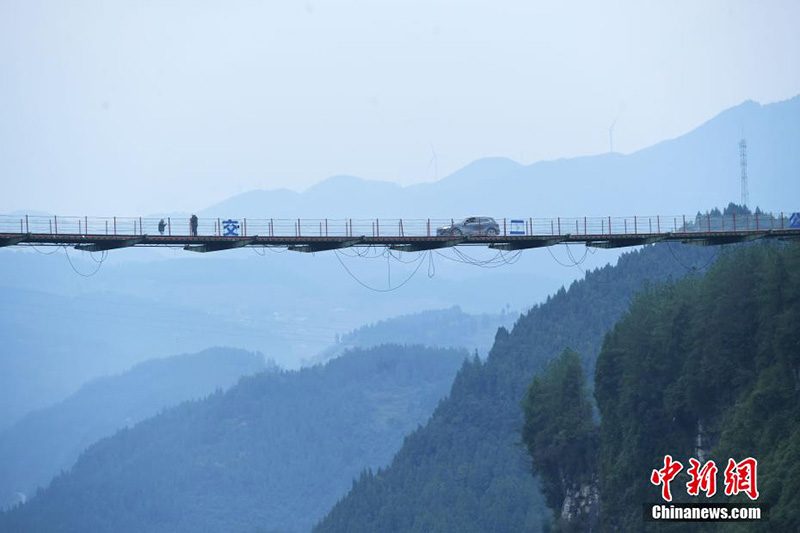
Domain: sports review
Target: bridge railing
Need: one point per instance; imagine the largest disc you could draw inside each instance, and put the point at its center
(356, 227)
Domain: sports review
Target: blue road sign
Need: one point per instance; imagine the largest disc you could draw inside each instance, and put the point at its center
(517, 227)
(794, 220)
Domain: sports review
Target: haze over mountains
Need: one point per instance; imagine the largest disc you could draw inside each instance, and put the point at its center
(273, 453)
(48, 441)
(138, 311)
(278, 449)
(291, 306)
(674, 177)
(158, 388)
(299, 308)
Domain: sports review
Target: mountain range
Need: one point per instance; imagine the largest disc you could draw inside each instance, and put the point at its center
(29, 455)
(272, 453)
(674, 177)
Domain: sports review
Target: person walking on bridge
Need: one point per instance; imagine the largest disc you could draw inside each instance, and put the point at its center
(193, 225)
(161, 226)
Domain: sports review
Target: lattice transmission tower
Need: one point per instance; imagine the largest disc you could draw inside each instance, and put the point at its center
(743, 163)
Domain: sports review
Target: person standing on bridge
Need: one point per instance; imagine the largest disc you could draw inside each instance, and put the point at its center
(161, 226)
(193, 225)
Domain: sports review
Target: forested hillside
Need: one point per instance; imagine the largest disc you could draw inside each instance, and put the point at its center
(466, 470)
(273, 453)
(560, 435)
(30, 456)
(711, 368)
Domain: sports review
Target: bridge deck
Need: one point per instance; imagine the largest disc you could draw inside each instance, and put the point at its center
(98, 234)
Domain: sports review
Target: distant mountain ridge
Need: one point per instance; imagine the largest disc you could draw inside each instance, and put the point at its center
(272, 453)
(676, 176)
(30, 457)
(441, 328)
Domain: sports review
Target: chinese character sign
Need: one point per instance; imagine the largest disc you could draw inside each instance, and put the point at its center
(230, 228)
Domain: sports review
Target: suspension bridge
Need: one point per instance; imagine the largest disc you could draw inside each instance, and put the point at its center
(96, 234)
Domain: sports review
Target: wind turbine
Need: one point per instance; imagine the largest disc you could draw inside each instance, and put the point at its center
(611, 130)
(435, 162)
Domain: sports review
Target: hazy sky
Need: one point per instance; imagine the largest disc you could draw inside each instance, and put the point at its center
(133, 107)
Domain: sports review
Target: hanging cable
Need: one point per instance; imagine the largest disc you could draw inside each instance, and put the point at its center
(36, 249)
(399, 260)
(390, 289)
(431, 266)
(557, 261)
(574, 262)
(688, 268)
(96, 270)
(498, 260)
